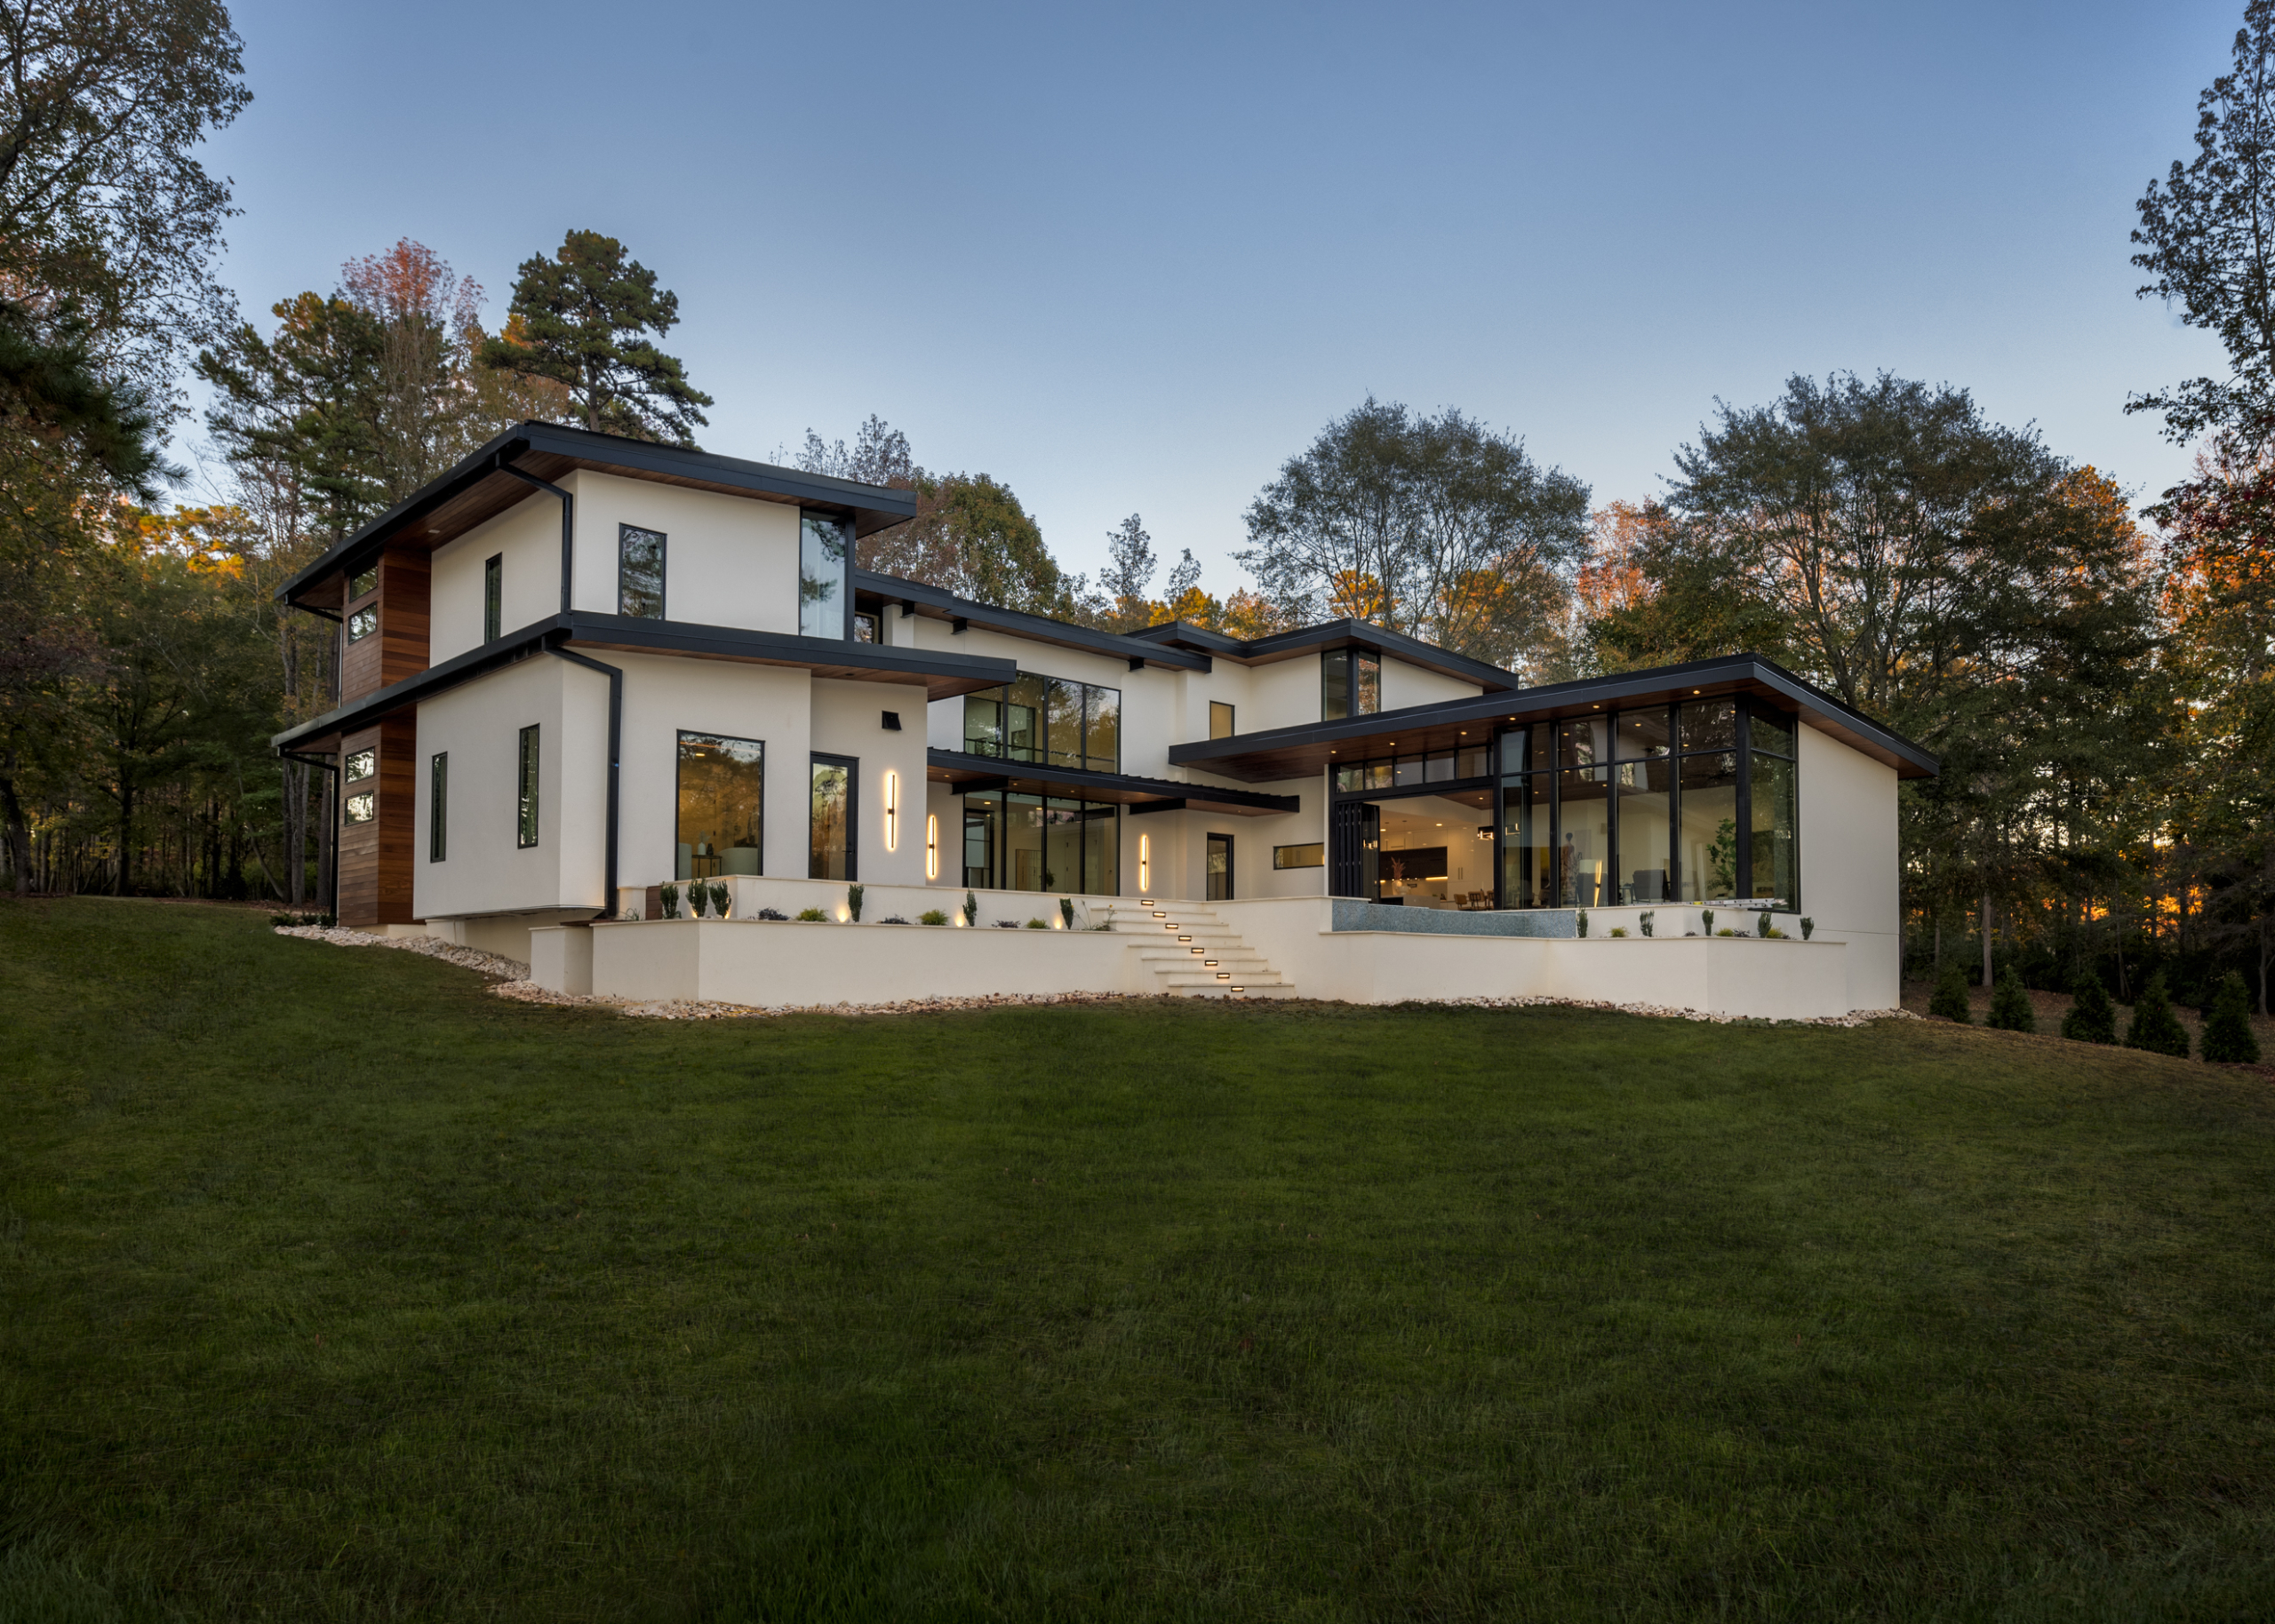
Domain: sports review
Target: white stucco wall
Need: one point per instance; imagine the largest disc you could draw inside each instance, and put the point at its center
(527, 536)
(728, 561)
(849, 720)
(1851, 883)
(1404, 685)
(486, 870)
(1283, 694)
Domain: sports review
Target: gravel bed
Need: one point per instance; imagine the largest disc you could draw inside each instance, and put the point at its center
(433, 947)
(1854, 1017)
(688, 1009)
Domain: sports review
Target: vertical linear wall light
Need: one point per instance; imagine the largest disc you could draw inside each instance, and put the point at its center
(893, 811)
(1145, 864)
(931, 846)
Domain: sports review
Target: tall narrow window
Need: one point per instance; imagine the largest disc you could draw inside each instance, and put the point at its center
(1351, 684)
(722, 805)
(1220, 720)
(824, 576)
(525, 803)
(639, 572)
(438, 807)
(830, 839)
(493, 598)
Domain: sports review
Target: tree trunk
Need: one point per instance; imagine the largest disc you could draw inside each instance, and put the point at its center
(20, 834)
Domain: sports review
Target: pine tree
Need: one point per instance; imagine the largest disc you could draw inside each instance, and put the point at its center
(2010, 1007)
(2227, 1036)
(1951, 995)
(2155, 1028)
(581, 319)
(2092, 1018)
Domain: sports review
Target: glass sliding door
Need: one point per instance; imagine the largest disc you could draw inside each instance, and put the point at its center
(722, 800)
(830, 847)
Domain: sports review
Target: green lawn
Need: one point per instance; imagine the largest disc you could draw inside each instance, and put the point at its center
(332, 1288)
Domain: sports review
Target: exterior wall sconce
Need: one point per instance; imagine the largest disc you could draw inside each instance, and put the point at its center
(893, 811)
(1145, 864)
(931, 846)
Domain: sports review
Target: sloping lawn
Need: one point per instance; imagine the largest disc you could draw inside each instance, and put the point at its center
(332, 1287)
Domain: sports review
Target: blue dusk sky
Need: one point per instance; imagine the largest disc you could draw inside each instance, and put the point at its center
(1133, 258)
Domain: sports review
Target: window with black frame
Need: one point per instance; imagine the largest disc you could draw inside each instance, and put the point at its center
(831, 852)
(1414, 829)
(722, 805)
(639, 572)
(1046, 721)
(1692, 803)
(824, 576)
(1014, 841)
(1350, 683)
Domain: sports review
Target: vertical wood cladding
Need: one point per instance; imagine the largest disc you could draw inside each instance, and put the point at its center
(375, 857)
(399, 648)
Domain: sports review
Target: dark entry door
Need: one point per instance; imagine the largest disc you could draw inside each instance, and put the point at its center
(1220, 868)
(1353, 835)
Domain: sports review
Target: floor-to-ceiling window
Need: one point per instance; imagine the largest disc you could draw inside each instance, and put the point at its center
(721, 805)
(1415, 830)
(1706, 851)
(1773, 817)
(1048, 721)
(1016, 841)
(829, 853)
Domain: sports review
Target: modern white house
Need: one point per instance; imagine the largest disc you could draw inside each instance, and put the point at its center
(592, 685)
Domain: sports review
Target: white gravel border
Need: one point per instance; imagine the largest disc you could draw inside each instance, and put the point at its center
(434, 947)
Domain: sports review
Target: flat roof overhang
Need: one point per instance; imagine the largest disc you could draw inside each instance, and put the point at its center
(934, 675)
(872, 591)
(1334, 635)
(1301, 751)
(479, 489)
(966, 773)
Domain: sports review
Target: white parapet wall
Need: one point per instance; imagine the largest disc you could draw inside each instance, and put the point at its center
(770, 964)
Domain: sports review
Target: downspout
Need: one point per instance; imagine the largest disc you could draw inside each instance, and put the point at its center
(568, 530)
(615, 741)
(331, 832)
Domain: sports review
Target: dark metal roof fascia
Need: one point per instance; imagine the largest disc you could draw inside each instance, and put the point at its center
(1586, 690)
(1164, 789)
(1411, 648)
(1018, 622)
(624, 631)
(1200, 637)
(896, 506)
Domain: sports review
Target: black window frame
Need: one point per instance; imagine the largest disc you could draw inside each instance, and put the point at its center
(625, 531)
(363, 622)
(806, 515)
(852, 769)
(1208, 841)
(368, 757)
(494, 597)
(438, 807)
(1317, 847)
(1232, 725)
(528, 765)
(1348, 662)
(1039, 754)
(987, 817)
(361, 807)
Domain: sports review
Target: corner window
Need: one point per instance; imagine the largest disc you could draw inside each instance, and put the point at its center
(361, 624)
(364, 583)
(525, 801)
(494, 597)
(363, 764)
(824, 576)
(438, 807)
(722, 805)
(639, 572)
(830, 853)
(1351, 684)
(1314, 855)
(363, 808)
(1047, 720)
(1220, 720)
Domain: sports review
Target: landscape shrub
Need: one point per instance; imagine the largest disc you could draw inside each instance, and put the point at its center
(853, 903)
(1951, 995)
(1037, 925)
(1762, 926)
(2227, 1031)
(1619, 930)
(773, 914)
(812, 916)
(1725, 931)
(669, 897)
(1706, 917)
(894, 918)
(1647, 920)
(1583, 922)
(1067, 911)
(970, 909)
(1809, 928)
(2092, 1018)
(933, 916)
(718, 899)
(2155, 1028)
(2010, 1007)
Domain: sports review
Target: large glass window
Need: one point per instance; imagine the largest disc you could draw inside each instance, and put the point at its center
(824, 575)
(639, 572)
(1527, 848)
(526, 793)
(1707, 851)
(722, 805)
(1021, 842)
(830, 853)
(494, 597)
(1643, 804)
(1583, 864)
(1773, 826)
(438, 807)
(1351, 683)
(1047, 720)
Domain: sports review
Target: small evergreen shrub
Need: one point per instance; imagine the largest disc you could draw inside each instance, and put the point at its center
(1037, 925)
(1646, 922)
(2227, 1032)
(669, 897)
(718, 899)
(2155, 1028)
(696, 894)
(812, 916)
(1762, 926)
(1725, 931)
(2092, 1018)
(970, 909)
(1583, 922)
(1809, 928)
(2010, 1005)
(1706, 920)
(933, 916)
(1067, 911)
(853, 903)
(1951, 996)
(1619, 930)
(1775, 934)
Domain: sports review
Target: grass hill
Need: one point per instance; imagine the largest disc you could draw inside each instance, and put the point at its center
(332, 1287)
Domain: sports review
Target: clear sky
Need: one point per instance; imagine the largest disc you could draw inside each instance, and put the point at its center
(1133, 258)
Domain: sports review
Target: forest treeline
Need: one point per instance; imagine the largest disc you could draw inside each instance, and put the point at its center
(2097, 685)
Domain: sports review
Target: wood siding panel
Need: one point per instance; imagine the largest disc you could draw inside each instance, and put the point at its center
(405, 580)
(398, 820)
(359, 661)
(359, 843)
